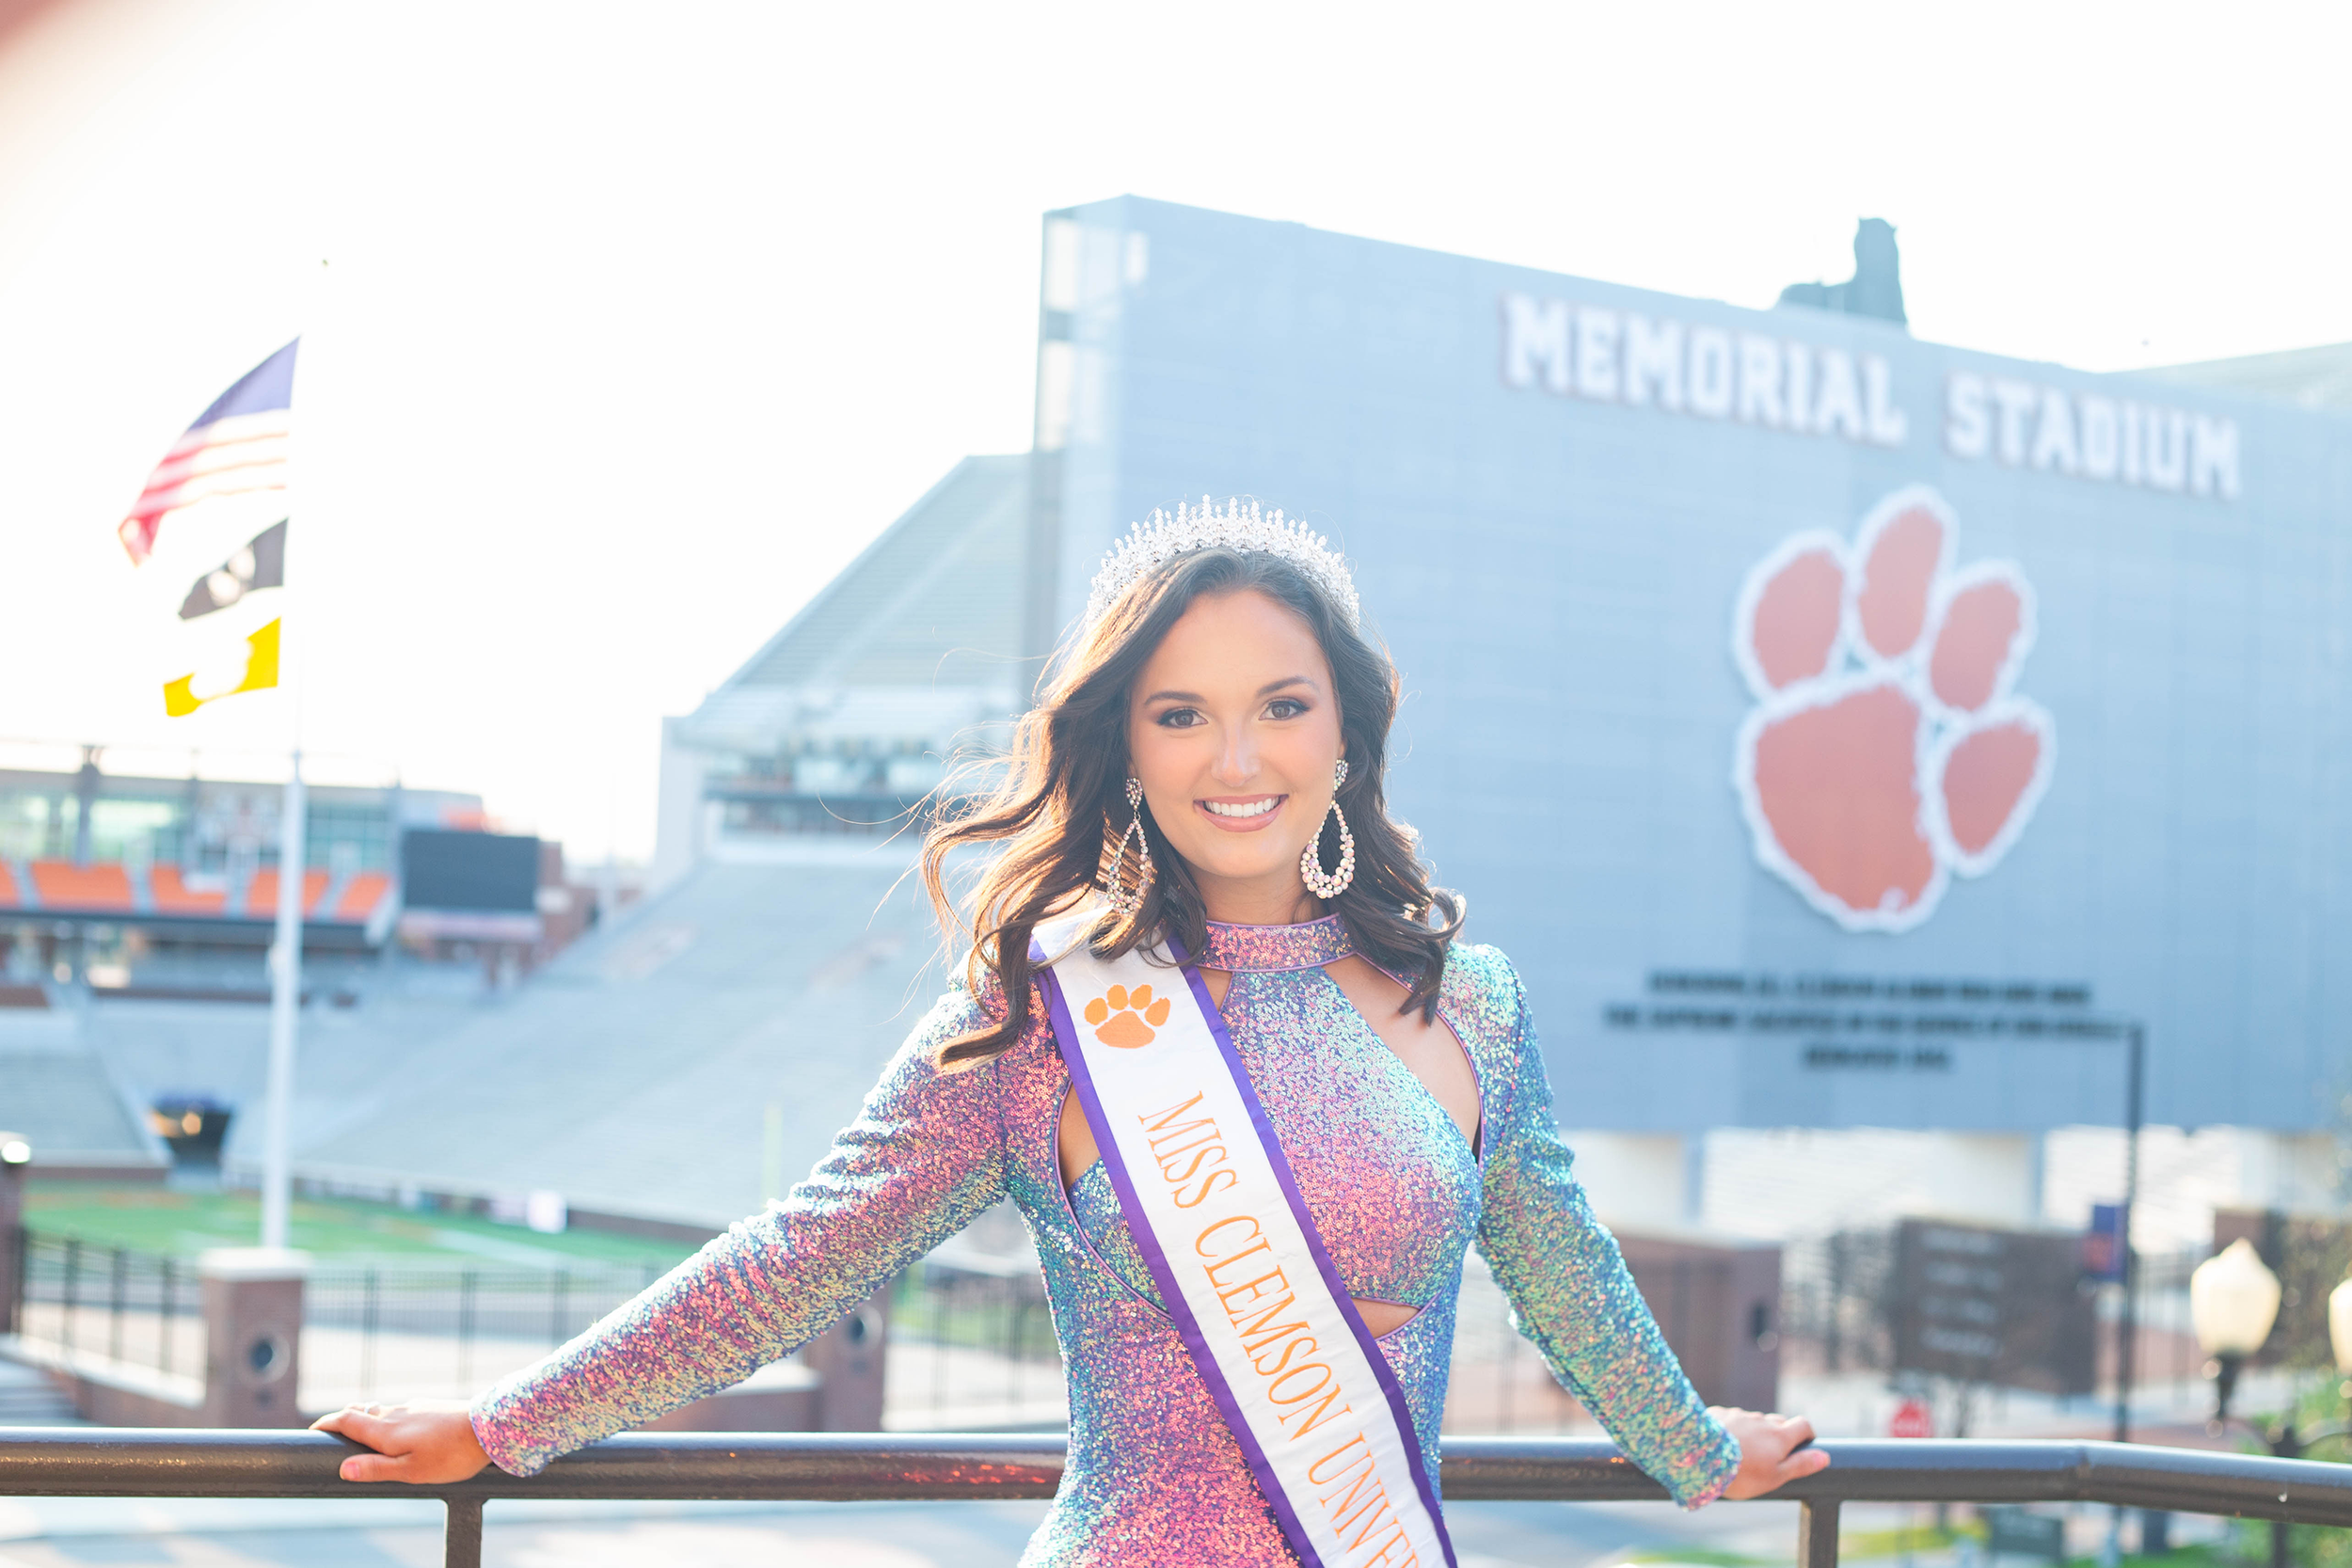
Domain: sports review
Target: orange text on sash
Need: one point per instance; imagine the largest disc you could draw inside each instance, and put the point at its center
(1257, 1297)
(1358, 1504)
(1190, 1154)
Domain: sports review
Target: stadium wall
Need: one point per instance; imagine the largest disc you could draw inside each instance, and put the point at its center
(1569, 503)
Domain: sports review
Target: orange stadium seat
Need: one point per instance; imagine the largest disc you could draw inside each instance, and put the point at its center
(93, 889)
(174, 897)
(260, 893)
(10, 897)
(361, 894)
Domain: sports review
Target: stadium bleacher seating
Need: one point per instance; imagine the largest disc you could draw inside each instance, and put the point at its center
(260, 893)
(360, 896)
(101, 889)
(173, 895)
(636, 1074)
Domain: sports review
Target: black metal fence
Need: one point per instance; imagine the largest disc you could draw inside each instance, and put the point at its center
(972, 1345)
(1837, 1295)
(139, 1308)
(431, 1331)
(973, 1342)
(805, 1466)
(972, 1339)
(366, 1331)
(1842, 1302)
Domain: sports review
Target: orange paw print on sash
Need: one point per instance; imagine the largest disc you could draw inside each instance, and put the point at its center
(1126, 1018)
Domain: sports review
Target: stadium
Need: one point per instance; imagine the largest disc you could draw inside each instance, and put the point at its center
(1567, 503)
(136, 916)
(1854, 740)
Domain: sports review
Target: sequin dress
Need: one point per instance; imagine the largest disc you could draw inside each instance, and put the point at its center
(1153, 1476)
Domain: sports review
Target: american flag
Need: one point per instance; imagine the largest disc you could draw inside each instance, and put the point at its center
(237, 445)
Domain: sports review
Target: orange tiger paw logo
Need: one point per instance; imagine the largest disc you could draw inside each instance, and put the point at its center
(1887, 752)
(1126, 1019)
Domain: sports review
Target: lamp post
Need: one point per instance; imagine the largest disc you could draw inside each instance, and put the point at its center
(2128, 1325)
(2127, 1330)
(2234, 1303)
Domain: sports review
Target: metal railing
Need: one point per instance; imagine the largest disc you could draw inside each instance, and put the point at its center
(130, 1463)
(427, 1329)
(421, 1329)
(972, 1347)
(138, 1307)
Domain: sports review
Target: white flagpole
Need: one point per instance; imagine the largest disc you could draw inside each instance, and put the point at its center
(285, 995)
(285, 1006)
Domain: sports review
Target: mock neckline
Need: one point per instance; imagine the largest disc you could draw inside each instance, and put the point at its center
(1265, 948)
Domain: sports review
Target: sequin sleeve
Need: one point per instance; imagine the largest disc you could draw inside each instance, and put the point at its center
(924, 1156)
(1569, 1290)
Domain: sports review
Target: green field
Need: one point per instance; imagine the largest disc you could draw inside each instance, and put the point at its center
(338, 1230)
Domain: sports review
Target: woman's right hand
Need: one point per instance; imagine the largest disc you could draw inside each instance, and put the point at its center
(429, 1443)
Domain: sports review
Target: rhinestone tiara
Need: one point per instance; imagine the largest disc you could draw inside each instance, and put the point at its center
(1161, 538)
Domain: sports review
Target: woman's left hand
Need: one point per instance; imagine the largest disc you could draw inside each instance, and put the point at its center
(1771, 1454)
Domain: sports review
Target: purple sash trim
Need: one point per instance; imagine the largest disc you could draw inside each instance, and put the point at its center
(1147, 1242)
(1171, 1294)
(1390, 1387)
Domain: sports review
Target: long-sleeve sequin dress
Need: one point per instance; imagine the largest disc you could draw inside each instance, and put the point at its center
(1153, 1476)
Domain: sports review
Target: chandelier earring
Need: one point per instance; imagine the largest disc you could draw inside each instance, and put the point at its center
(1331, 884)
(1124, 901)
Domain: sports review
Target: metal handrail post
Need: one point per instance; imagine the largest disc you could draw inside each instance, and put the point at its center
(461, 1534)
(1817, 1533)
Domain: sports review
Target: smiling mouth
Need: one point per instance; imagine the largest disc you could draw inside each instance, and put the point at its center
(1243, 814)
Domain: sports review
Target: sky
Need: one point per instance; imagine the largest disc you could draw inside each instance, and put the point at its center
(626, 328)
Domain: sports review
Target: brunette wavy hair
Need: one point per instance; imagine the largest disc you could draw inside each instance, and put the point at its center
(1059, 808)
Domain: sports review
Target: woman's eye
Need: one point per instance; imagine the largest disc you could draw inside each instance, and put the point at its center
(1181, 718)
(1285, 707)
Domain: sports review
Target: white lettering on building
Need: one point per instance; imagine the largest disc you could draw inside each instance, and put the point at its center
(2022, 424)
(1605, 356)
(1535, 342)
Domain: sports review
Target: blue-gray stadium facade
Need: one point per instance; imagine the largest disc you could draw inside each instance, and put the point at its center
(1664, 576)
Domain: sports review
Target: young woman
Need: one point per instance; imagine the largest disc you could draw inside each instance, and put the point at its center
(1294, 1100)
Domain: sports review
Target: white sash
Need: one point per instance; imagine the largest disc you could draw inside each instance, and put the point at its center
(1218, 1216)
